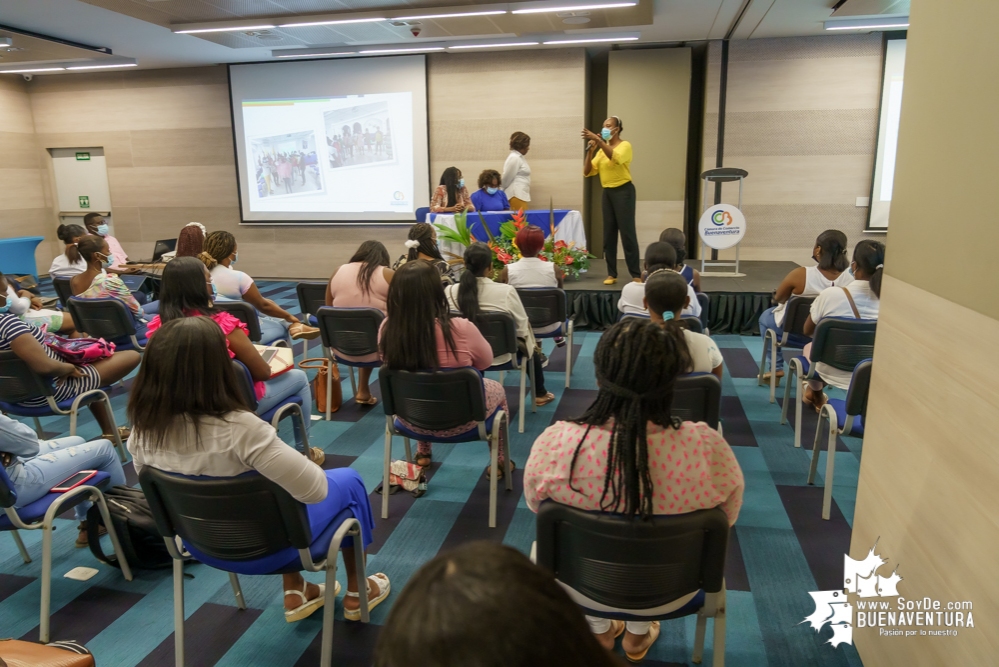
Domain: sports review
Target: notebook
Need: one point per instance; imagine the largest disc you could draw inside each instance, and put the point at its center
(280, 359)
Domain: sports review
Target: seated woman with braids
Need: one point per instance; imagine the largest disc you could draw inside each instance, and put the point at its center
(477, 292)
(628, 455)
(665, 298)
(422, 244)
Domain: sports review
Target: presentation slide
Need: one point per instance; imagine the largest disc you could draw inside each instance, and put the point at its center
(331, 141)
(891, 108)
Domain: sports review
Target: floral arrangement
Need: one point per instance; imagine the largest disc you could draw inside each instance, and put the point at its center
(566, 256)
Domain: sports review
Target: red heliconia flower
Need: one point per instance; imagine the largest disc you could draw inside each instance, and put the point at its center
(561, 244)
(568, 260)
(542, 258)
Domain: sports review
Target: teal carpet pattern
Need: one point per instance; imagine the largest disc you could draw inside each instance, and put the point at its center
(780, 548)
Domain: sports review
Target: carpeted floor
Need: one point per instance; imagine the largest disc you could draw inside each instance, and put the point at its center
(780, 548)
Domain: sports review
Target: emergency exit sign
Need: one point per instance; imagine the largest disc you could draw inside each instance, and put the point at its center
(83, 156)
(84, 201)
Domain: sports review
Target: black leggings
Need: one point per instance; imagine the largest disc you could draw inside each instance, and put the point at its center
(619, 216)
(539, 376)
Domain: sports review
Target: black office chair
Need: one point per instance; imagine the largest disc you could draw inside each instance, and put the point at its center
(697, 398)
(500, 330)
(63, 291)
(352, 332)
(247, 314)
(246, 525)
(844, 417)
(108, 318)
(437, 402)
(691, 323)
(311, 297)
(705, 303)
(664, 568)
(289, 407)
(838, 342)
(796, 312)
(547, 307)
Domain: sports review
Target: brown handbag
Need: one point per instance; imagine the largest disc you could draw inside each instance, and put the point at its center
(326, 385)
(16, 653)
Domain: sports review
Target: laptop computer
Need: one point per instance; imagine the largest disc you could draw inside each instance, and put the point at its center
(162, 247)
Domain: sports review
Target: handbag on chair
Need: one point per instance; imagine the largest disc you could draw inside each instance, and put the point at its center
(319, 384)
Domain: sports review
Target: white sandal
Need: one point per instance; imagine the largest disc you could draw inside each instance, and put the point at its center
(384, 587)
(308, 606)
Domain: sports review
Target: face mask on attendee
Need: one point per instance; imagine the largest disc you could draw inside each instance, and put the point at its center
(606, 134)
(850, 269)
(461, 182)
(5, 307)
(102, 229)
(106, 262)
(215, 292)
(235, 258)
(492, 191)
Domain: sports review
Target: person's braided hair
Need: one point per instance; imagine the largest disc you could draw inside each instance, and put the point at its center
(218, 245)
(424, 233)
(637, 362)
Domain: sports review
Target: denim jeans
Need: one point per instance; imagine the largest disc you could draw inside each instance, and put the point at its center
(292, 383)
(151, 308)
(767, 322)
(273, 329)
(59, 459)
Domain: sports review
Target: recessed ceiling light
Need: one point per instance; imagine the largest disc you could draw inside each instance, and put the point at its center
(332, 22)
(316, 55)
(411, 50)
(587, 41)
(868, 23)
(28, 71)
(449, 16)
(540, 10)
(231, 29)
(492, 46)
(104, 66)
(576, 20)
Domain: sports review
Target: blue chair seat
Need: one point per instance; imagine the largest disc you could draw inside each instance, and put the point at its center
(691, 607)
(839, 405)
(126, 343)
(554, 334)
(282, 562)
(36, 511)
(470, 435)
(313, 322)
(805, 364)
(269, 415)
(44, 410)
(508, 366)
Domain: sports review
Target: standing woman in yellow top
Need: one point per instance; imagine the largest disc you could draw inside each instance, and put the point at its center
(609, 156)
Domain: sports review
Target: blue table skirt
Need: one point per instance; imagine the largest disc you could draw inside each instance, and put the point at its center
(494, 219)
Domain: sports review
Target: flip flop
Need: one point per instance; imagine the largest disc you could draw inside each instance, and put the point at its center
(317, 455)
(308, 606)
(654, 634)
(544, 400)
(501, 469)
(618, 629)
(371, 401)
(384, 588)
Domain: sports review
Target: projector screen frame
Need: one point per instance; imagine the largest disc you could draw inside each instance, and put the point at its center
(303, 223)
(885, 38)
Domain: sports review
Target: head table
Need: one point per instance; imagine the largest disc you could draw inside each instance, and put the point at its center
(568, 226)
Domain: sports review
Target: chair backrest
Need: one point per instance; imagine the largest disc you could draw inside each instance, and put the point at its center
(860, 389)
(691, 323)
(18, 383)
(627, 563)
(245, 313)
(704, 300)
(245, 383)
(544, 305)
(350, 331)
(637, 316)
(697, 398)
(500, 330)
(796, 311)
(843, 342)
(8, 494)
(231, 518)
(102, 317)
(421, 213)
(63, 290)
(311, 297)
(162, 247)
(434, 401)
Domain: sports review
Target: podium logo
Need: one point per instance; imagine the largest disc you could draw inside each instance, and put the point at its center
(721, 218)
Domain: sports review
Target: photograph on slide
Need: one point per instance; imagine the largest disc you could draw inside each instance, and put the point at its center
(359, 135)
(286, 165)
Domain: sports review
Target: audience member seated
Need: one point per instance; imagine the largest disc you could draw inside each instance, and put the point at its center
(220, 255)
(533, 271)
(98, 226)
(191, 240)
(69, 381)
(451, 196)
(362, 283)
(477, 292)
(830, 254)
(665, 298)
(422, 244)
(678, 240)
(69, 263)
(489, 197)
(486, 605)
(659, 256)
(420, 335)
(28, 309)
(187, 291)
(189, 418)
(35, 466)
(97, 282)
(859, 299)
(657, 464)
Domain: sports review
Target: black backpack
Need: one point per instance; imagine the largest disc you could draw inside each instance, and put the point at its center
(133, 523)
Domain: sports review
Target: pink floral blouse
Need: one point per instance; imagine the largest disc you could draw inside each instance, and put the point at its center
(439, 201)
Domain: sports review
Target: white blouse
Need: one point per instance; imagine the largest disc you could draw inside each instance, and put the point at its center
(516, 181)
(63, 268)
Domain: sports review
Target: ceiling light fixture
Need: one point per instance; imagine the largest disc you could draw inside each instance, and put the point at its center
(104, 66)
(412, 50)
(588, 41)
(447, 16)
(316, 55)
(492, 46)
(332, 22)
(875, 23)
(230, 29)
(29, 71)
(575, 8)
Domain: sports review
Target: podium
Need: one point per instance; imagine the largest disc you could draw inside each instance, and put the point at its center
(722, 226)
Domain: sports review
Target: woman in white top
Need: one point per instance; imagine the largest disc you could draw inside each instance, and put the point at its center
(516, 181)
(190, 419)
(69, 263)
(665, 298)
(659, 256)
(533, 271)
(830, 254)
(220, 253)
(860, 299)
(477, 292)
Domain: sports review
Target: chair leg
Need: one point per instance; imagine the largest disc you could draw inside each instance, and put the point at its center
(43, 623)
(763, 359)
(409, 450)
(115, 435)
(38, 428)
(523, 389)
(353, 381)
(504, 439)
(814, 466)
(178, 612)
(385, 471)
(329, 388)
(718, 635)
(830, 465)
(326, 654)
(702, 624)
(102, 507)
(799, 392)
(568, 359)
(237, 590)
(20, 547)
(787, 392)
(502, 377)
(773, 367)
(494, 446)
(362, 575)
(531, 386)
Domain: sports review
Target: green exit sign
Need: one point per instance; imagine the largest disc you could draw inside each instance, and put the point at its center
(84, 201)
(83, 156)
